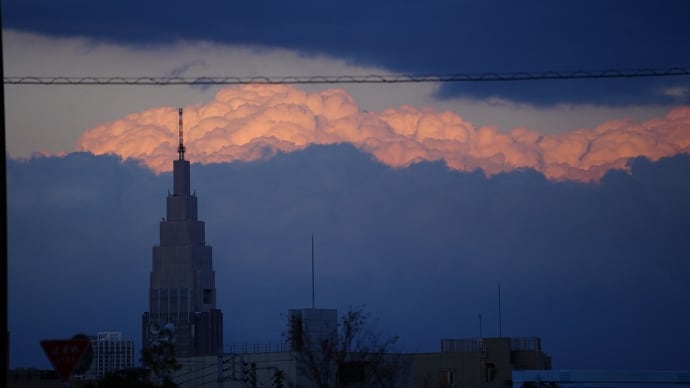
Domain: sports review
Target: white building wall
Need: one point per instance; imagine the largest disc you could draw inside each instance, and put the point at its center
(110, 353)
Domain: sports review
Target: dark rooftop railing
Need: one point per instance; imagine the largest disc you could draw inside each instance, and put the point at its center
(526, 344)
(264, 347)
(467, 345)
(464, 345)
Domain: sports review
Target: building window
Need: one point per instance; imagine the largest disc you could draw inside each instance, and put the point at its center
(446, 378)
(208, 296)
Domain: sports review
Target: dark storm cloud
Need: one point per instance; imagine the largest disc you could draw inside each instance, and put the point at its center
(415, 37)
(599, 271)
(607, 92)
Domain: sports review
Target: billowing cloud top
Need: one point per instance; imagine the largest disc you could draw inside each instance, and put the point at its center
(256, 121)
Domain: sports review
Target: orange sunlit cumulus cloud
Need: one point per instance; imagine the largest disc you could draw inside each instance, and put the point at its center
(256, 121)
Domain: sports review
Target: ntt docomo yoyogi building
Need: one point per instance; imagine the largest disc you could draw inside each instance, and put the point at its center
(182, 292)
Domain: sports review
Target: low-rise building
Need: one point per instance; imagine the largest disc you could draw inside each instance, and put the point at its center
(478, 362)
(473, 362)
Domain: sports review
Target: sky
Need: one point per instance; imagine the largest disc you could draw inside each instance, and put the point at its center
(422, 197)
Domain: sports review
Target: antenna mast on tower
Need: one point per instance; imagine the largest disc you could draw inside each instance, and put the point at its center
(500, 327)
(313, 297)
(180, 148)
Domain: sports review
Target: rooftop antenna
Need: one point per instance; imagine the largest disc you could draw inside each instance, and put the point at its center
(500, 333)
(313, 299)
(180, 148)
(480, 326)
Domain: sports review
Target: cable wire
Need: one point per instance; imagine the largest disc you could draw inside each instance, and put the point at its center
(349, 79)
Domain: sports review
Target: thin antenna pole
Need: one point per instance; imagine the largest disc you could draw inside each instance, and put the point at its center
(180, 148)
(480, 326)
(313, 298)
(500, 331)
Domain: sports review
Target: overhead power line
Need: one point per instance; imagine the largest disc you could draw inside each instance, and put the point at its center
(349, 79)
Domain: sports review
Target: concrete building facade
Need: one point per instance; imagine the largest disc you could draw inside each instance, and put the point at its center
(182, 292)
(471, 363)
(478, 362)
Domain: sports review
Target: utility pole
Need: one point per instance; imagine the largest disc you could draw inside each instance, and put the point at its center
(313, 296)
(500, 329)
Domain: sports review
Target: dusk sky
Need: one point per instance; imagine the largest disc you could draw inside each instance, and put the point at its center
(422, 197)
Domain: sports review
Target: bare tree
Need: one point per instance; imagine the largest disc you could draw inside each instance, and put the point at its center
(162, 362)
(159, 354)
(353, 354)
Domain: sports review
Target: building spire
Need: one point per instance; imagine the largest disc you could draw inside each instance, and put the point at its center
(180, 148)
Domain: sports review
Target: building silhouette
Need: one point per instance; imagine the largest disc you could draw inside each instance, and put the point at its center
(478, 362)
(182, 291)
(313, 325)
(489, 362)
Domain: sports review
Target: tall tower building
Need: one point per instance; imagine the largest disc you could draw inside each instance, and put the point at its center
(182, 293)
